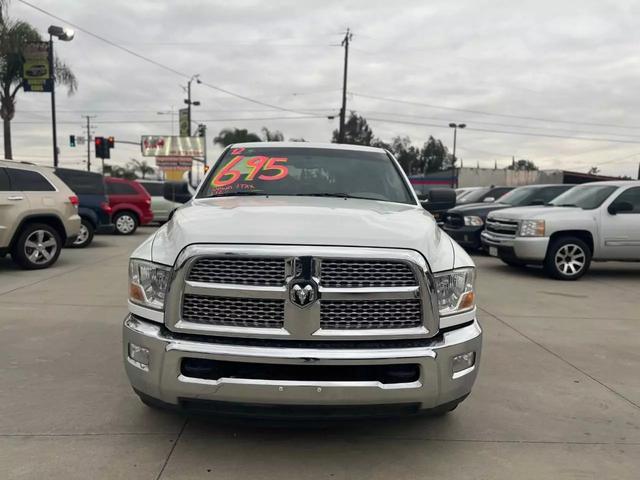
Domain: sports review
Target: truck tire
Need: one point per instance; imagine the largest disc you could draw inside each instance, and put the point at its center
(126, 223)
(38, 246)
(85, 235)
(568, 258)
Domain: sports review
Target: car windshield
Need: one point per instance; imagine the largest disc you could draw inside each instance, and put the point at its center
(307, 171)
(586, 197)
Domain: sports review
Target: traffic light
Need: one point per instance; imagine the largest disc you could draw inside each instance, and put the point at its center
(72, 140)
(102, 147)
(111, 141)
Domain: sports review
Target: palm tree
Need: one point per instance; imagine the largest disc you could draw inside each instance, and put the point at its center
(141, 166)
(14, 35)
(230, 136)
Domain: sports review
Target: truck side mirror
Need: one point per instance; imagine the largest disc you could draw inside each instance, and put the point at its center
(618, 207)
(177, 192)
(439, 199)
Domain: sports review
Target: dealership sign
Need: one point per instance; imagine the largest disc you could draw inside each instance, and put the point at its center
(174, 163)
(36, 76)
(172, 146)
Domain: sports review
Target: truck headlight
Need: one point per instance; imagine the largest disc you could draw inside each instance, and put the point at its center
(148, 283)
(455, 290)
(531, 228)
(473, 221)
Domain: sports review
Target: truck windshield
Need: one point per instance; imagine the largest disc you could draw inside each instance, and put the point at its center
(304, 171)
(586, 197)
(519, 196)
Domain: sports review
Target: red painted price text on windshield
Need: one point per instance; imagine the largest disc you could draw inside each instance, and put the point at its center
(263, 168)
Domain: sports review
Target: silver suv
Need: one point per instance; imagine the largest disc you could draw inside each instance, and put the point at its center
(38, 214)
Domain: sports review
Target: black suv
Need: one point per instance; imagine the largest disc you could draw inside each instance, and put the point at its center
(94, 208)
(464, 223)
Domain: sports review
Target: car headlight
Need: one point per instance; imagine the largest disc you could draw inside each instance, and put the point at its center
(473, 221)
(531, 228)
(148, 283)
(455, 290)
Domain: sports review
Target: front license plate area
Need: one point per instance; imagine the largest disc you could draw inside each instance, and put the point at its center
(493, 251)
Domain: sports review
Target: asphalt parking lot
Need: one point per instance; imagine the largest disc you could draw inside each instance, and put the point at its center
(558, 394)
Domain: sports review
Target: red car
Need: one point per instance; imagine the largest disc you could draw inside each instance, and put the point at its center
(130, 203)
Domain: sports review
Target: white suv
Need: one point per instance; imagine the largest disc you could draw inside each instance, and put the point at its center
(594, 221)
(38, 214)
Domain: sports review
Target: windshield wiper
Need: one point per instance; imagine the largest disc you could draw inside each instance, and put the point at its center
(332, 195)
(564, 205)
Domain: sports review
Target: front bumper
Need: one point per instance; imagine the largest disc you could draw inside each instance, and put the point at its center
(533, 249)
(163, 381)
(467, 236)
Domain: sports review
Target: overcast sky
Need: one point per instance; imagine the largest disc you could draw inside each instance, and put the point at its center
(571, 67)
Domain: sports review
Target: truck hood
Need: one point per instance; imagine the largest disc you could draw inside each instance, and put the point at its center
(283, 220)
(537, 212)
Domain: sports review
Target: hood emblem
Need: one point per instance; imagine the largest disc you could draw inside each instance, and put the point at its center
(303, 293)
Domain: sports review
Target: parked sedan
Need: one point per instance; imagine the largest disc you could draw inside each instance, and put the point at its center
(465, 223)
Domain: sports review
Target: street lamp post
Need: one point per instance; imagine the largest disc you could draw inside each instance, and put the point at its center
(455, 127)
(66, 35)
(188, 100)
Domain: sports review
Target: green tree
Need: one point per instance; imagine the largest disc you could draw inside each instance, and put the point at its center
(434, 156)
(406, 154)
(229, 136)
(299, 139)
(119, 172)
(140, 166)
(269, 136)
(593, 171)
(523, 165)
(14, 36)
(356, 131)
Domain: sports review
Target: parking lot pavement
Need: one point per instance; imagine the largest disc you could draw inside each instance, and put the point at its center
(558, 394)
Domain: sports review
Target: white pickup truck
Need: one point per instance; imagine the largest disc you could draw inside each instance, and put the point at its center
(302, 280)
(594, 221)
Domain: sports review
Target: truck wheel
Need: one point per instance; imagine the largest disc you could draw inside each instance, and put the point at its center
(568, 258)
(85, 235)
(38, 246)
(126, 223)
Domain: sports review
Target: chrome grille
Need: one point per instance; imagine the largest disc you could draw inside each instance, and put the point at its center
(236, 312)
(370, 314)
(239, 270)
(503, 228)
(360, 273)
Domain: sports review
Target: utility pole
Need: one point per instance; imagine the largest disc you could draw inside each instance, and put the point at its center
(345, 43)
(53, 103)
(188, 100)
(455, 127)
(88, 117)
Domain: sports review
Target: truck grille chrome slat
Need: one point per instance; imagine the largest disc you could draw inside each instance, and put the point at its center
(370, 314)
(239, 271)
(359, 273)
(235, 312)
(502, 228)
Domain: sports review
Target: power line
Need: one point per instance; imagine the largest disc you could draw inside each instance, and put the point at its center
(527, 134)
(479, 112)
(143, 121)
(154, 62)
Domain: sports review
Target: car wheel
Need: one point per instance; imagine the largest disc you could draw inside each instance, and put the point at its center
(568, 258)
(126, 223)
(85, 235)
(38, 246)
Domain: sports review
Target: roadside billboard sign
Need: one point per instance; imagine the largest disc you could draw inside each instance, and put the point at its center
(183, 120)
(36, 76)
(172, 146)
(174, 163)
